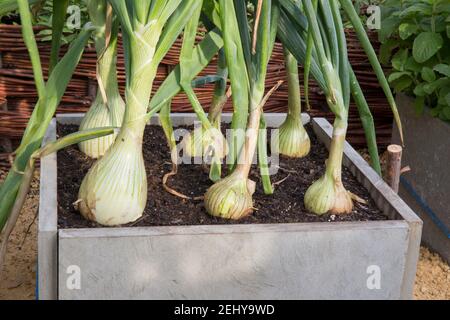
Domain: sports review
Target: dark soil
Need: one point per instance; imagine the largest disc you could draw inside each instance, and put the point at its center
(164, 209)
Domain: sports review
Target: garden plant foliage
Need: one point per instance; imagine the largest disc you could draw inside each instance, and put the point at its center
(415, 36)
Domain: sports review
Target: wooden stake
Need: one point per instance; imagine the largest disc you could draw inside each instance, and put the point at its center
(394, 166)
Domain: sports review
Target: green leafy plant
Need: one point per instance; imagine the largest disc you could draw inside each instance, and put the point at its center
(8, 8)
(415, 38)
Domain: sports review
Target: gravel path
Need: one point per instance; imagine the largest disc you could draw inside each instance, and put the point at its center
(17, 280)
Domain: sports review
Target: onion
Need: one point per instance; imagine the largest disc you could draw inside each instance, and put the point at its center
(108, 107)
(293, 140)
(328, 193)
(101, 115)
(114, 191)
(205, 142)
(231, 197)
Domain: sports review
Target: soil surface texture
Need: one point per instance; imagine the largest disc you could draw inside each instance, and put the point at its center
(164, 209)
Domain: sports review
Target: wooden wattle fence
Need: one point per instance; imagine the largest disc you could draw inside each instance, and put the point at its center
(17, 86)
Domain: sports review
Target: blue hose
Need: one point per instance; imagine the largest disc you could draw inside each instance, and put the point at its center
(422, 203)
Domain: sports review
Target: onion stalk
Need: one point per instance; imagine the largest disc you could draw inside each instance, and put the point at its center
(293, 140)
(200, 142)
(328, 194)
(207, 49)
(161, 101)
(114, 191)
(206, 140)
(58, 22)
(108, 107)
(231, 197)
(294, 34)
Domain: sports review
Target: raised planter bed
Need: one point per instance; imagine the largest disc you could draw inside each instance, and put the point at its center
(426, 188)
(319, 260)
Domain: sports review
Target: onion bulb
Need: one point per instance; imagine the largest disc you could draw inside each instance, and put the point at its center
(101, 115)
(293, 140)
(328, 195)
(205, 142)
(231, 197)
(119, 198)
(108, 107)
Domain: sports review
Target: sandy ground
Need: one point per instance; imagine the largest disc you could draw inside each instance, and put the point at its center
(18, 278)
(433, 277)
